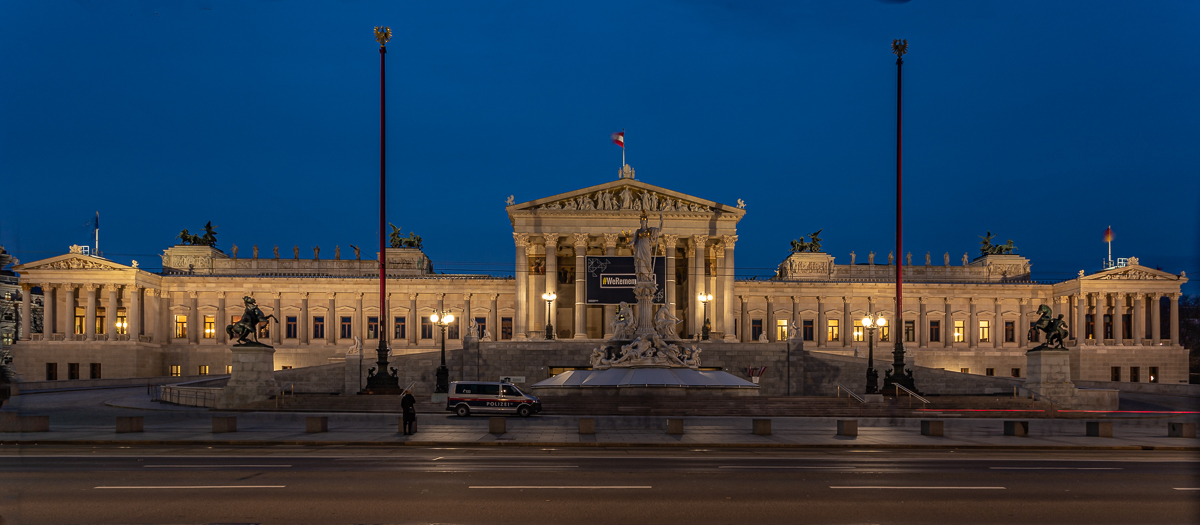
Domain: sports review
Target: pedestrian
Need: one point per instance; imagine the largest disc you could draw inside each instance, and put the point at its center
(408, 404)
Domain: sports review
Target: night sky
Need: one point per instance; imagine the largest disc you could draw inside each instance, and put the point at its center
(1044, 122)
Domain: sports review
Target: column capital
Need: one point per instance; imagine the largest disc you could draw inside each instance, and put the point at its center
(440, 296)
(221, 294)
(358, 295)
(303, 295)
(1151, 295)
(1174, 296)
(331, 295)
(193, 294)
(922, 299)
(581, 240)
(691, 249)
(1137, 295)
(90, 287)
(729, 241)
(279, 295)
(718, 250)
(795, 299)
(822, 298)
(669, 240)
(112, 287)
(521, 239)
(551, 239)
(26, 287)
(150, 292)
(466, 296)
(700, 239)
(1024, 301)
(495, 296)
(413, 296)
(742, 298)
(610, 240)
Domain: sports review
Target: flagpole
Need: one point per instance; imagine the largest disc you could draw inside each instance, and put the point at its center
(1110, 246)
(97, 231)
(622, 148)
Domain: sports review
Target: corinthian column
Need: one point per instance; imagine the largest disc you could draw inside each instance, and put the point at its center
(27, 311)
(1155, 318)
(610, 249)
(521, 240)
(1175, 319)
(1139, 318)
(277, 326)
(552, 274)
(718, 291)
(698, 262)
(110, 313)
(581, 240)
(1118, 319)
(89, 320)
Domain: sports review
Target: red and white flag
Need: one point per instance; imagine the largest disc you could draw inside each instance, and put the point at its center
(619, 139)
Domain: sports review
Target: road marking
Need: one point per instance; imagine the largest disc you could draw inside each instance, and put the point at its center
(437, 458)
(189, 487)
(216, 466)
(1056, 468)
(1187, 488)
(559, 487)
(778, 466)
(915, 488)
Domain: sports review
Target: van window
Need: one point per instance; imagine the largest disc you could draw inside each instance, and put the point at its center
(510, 390)
(464, 389)
(489, 390)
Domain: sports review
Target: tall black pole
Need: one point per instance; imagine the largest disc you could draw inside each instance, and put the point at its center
(898, 376)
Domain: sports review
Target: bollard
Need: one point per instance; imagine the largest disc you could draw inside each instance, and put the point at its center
(762, 427)
(1099, 429)
(223, 424)
(8, 421)
(11, 422)
(675, 427)
(497, 425)
(1177, 429)
(1016, 428)
(587, 425)
(127, 425)
(933, 428)
(316, 424)
(847, 427)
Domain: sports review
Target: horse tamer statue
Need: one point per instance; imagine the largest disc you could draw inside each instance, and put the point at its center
(1055, 328)
(252, 320)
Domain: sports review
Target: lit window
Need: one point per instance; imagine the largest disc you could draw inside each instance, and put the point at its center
(122, 325)
(858, 331)
(210, 327)
(965, 370)
(831, 331)
(960, 331)
(203, 370)
(885, 333)
(175, 371)
(100, 325)
(181, 327)
(228, 369)
(1154, 374)
(80, 322)
(985, 331)
(781, 330)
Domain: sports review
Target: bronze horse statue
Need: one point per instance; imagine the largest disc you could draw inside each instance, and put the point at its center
(252, 320)
(1055, 328)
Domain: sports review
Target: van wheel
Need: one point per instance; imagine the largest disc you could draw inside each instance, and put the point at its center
(462, 411)
(524, 411)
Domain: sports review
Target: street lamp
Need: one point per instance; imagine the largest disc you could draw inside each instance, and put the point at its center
(705, 299)
(871, 322)
(442, 319)
(549, 297)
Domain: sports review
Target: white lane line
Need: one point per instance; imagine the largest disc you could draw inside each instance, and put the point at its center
(587, 487)
(916, 488)
(216, 466)
(190, 487)
(779, 466)
(1056, 468)
(1187, 488)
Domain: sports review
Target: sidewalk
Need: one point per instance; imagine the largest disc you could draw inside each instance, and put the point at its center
(89, 419)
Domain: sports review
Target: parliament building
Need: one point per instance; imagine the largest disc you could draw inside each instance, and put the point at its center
(108, 320)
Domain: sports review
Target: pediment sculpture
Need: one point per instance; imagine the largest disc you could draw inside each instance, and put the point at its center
(625, 198)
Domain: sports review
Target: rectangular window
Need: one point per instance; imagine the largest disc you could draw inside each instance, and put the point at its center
(80, 322)
(910, 331)
(506, 328)
(808, 330)
(122, 324)
(265, 331)
(858, 332)
(756, 329)
(292, 327)
(286, 367)
(965, 370)
(781, 330)
(318, 327)
(1089, 321)
(1115, 374)
(202, 370)
(1016, 372)
(1126, 326)
(210, 327)
(1108, 326)
(1154, 374)
(1033, 333)
(480, 326)
(1010, 332)
(452, 329)
(985, 331)
(960, 331)
(72, 370)
(885, 333)
(228, 369)
(175, 371)
(51, 371)
(181, 327)
(426, 328)
(347, 327)
(399, 328)
(100, 325)
(372, 328)
(989, 371)
(1135, 374)
(94, 372)
(832, 333)
(935, 331)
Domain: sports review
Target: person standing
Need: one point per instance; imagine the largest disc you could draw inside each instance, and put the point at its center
(408, 405)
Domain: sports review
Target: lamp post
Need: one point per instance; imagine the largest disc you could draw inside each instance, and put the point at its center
(705, 299)
(871, 322)
(897, 375)
(442, 319)
(549, 297)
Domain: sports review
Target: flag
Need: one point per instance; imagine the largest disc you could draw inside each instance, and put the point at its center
(1108, 236)
(619, 139)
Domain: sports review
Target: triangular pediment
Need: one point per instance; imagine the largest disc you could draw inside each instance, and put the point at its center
(1132, 272)
(72, 261)
(623, 195)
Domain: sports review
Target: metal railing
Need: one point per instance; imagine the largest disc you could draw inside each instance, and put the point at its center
(911, 395)
(186, 396)
(284, 391)
(841, 387)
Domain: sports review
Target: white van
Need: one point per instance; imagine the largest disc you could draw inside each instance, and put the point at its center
(467, 397)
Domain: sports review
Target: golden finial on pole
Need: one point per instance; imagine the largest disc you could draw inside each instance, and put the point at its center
(382, 35)
(899, 47)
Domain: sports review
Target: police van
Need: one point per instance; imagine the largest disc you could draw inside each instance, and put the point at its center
(467, 397)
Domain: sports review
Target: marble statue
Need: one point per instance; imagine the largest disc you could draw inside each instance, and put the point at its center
(946, 259)
(473, 329)
(296, 251)
(762, 338)
(623, 322)
(891, 258)
(254, 251)
(356, 348)
(741, 204)
(233, 250)
(851, 258)
(871, 258)
(337, 252)
(626, 201)
(793, 331)
(646, 238)
(487, 334)
(927, 259)
(964, 258)
(908, 260)
(316, 252)
(664, 323)
(134, 264)
(356, 252)
(509, 200)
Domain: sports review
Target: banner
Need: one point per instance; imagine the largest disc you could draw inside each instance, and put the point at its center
(610, 279)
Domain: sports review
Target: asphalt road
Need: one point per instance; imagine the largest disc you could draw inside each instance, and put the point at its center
(533, 486)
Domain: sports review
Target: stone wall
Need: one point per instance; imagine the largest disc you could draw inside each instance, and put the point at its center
(1094, 363)
(822, 372)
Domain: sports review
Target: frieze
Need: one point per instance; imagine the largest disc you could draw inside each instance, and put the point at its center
(1134, 275)
(626, 198)
(75, 264)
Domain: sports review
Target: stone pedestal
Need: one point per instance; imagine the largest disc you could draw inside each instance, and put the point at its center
(253, 376)
(1049, 376)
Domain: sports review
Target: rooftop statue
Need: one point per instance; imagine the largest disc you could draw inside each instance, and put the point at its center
(396, 240)
(234, 250)
(356, 252)
(812, 246)
(987, 248)
(210, 235)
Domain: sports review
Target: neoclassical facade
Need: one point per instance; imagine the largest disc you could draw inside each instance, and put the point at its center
(105, 319)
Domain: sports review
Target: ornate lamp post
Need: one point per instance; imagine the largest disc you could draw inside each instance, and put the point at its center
(549, 297)
(897, 375)
(705, 299)
(871, 322)
(442, 319)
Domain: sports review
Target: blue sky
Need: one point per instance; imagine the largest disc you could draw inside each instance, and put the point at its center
(1043, 122)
